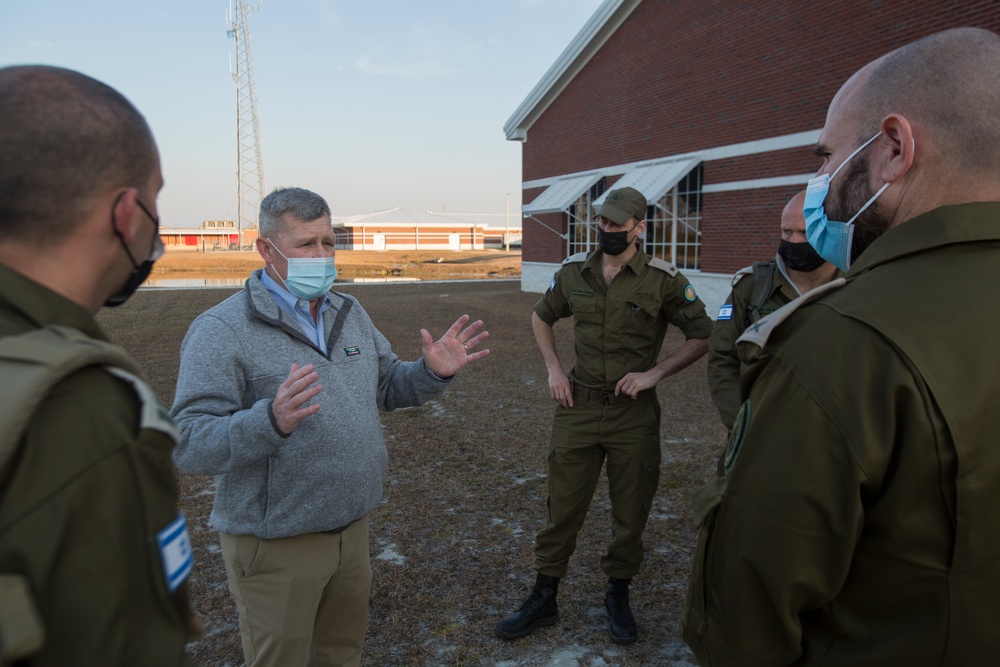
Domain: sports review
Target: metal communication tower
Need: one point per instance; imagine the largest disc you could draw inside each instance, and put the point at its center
(250, 160)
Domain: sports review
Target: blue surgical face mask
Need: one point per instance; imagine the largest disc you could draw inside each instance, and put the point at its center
(831, 239)
(308, 277)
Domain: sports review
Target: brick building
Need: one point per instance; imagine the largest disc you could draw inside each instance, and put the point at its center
(211, 235)
(400, 229)
(710, 108)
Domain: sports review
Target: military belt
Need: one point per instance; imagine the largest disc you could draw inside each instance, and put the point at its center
(599, 396)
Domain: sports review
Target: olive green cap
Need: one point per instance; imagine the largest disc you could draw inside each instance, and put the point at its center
(622, 204)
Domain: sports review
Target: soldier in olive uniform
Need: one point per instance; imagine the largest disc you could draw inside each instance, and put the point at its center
(92, 546)
(622, 301)
(858, 524)
(796, 269)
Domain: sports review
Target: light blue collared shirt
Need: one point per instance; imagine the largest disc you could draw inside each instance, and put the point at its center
(299, 309)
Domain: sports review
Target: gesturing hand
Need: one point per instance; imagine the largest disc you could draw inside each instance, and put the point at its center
(287, 406)
(448, 355)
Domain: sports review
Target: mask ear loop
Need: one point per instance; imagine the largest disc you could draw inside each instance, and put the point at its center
(276, 274)
(856, 151)
(913, 144)
(868, 203)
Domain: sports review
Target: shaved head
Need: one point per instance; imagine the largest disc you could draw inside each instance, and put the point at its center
(792, 217)
(950, 83)
(65, 139)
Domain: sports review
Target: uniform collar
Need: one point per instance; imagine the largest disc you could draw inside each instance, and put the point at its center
(637, 263)
(947, 225)
(40, 306)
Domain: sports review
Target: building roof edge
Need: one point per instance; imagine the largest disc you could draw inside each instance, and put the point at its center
(593, 35)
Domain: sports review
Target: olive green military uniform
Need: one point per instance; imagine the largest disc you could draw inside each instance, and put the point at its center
(83, 507)
(723, 362)
(618, 329)
(858, 524)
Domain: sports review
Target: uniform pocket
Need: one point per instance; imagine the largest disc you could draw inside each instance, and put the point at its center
(640, 321)
(249, 555)
(650, 480)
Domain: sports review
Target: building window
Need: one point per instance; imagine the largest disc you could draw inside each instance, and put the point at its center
(673, 224)
(582, 220)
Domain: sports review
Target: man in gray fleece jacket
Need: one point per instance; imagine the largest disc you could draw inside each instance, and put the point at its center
(278, 396)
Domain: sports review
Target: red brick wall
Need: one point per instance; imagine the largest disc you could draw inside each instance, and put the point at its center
(686, 75)
(741, 226)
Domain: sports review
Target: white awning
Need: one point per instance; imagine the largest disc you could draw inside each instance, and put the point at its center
(654, 180)
(561, 194)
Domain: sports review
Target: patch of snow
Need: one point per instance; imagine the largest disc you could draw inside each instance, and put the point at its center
(390, 554)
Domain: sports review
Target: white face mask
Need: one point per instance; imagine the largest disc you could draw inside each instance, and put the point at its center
(308, 277)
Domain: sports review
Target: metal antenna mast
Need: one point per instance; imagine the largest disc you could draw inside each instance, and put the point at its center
(250, 160)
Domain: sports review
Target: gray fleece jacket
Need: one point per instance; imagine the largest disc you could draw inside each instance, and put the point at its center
(326, 474)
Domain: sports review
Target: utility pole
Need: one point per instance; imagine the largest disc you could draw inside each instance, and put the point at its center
(250, 159)
(506, 222)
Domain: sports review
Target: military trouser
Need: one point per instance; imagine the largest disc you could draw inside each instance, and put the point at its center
(628, 434)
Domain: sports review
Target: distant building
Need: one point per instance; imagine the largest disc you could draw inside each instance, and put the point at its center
(212, 235)
(400, 229)
(708, 107)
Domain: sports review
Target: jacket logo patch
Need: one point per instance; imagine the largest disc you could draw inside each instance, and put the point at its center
(725, 312)
(352, 351)
(689, 294)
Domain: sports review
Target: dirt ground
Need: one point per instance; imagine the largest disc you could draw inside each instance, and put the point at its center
(464, 495)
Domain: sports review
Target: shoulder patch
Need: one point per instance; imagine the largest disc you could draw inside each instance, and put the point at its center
(663, 265)
(575, 259)
(758, 332)
(689, 293)
(745, 271)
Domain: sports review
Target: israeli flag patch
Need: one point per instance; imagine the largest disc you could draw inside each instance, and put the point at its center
(175, 551)
(552, 285)
(726, 312)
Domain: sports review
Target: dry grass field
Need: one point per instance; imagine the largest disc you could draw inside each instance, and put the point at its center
(464, 495)
(425, 264)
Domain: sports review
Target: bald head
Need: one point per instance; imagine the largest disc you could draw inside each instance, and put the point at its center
(65, 139)
(793, 222)
(950, 83)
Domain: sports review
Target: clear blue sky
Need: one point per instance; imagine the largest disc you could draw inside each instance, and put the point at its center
(371, 103)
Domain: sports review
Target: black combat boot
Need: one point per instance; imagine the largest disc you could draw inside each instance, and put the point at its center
(621, 622)
(538, 610)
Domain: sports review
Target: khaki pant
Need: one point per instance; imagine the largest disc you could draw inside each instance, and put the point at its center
(626, 434)
(302, 600)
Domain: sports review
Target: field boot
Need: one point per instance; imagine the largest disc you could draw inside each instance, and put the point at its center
(621, 622)
(538, 610)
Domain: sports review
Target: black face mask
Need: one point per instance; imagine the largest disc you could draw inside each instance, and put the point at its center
(613, 243)
(141, 271)
(800, 256)
(138, 277)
